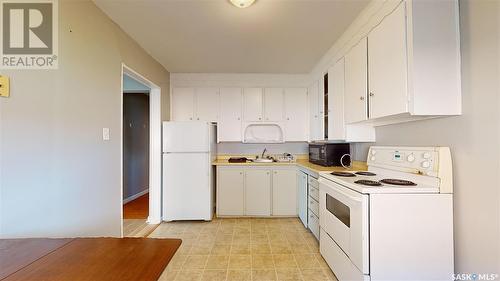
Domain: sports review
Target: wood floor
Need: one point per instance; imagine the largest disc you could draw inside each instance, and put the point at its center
(137, 209)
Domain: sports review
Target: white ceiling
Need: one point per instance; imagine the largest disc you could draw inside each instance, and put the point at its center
(212, 36)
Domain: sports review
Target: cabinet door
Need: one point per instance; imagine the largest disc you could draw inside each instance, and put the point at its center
(257, 192)
(273, 104)
(285, 193)
(207, 104)
(302, 196)
(182, 104)
(314, 120)
(336, 124)
(230, 192)
(252, 104)
(387, 66)
(356, 68)
(296, 114)
(229, 128)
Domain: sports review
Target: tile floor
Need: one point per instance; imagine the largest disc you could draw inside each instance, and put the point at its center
(244, 249)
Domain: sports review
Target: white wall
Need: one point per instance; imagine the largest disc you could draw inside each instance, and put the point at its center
(234, 148)
(473, 138)
(57, 177)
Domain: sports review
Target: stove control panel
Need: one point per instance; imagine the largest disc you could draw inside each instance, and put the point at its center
(422, 159)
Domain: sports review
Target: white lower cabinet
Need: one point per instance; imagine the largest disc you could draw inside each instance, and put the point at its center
(230, 192)
(256, 191)
(284, 193)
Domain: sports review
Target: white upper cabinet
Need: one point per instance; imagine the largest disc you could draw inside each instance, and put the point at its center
(314, 115)
(229, 128)
(183, 104)
(273, 104)
(252, 104)
(387, 66)
(414, 63)
(296, 114)
(207, 104)
(336, 127)
(356, 87)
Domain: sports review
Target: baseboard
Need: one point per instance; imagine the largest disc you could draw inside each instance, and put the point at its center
(135, 196)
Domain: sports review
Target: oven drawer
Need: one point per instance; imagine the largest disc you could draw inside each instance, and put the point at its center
(314, 206)
(338, 261)
(314, 192)
(313, 224)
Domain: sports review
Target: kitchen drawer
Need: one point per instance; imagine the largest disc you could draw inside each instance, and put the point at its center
(313, 206)
(313, 182)
(314, 192)
(313, 224)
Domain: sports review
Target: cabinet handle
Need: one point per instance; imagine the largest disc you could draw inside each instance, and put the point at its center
(371, 94)
(260, 118)
(275, 172)
(362, 98)
(267, 173)
(239, 118)
(198, 118)
(190, 118)
(241, 173)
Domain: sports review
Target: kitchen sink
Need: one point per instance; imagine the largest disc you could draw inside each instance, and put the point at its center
(263, 160)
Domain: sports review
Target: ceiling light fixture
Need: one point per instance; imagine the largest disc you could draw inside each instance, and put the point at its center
(242, 3)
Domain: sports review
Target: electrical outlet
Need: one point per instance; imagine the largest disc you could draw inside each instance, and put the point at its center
(4, 87)
(105, 134)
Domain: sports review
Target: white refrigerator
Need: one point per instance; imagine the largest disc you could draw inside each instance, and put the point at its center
(188, 178)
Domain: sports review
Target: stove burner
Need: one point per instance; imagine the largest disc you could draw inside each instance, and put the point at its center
(365, 174)
(368, 182)
(398, 182)
(343, 174)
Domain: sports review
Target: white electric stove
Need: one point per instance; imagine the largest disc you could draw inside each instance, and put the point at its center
(392, 222)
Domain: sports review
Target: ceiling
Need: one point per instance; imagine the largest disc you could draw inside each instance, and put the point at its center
(212, 36)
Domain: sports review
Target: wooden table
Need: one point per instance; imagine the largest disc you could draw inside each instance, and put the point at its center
(90, 259)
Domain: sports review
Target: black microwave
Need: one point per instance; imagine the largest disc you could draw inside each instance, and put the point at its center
(329, 154)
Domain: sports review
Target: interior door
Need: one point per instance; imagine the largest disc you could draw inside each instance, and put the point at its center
(207, 104)
(230, 114)
(183, 104)
(356, 87)
(252, 104)
(186, 188)
(296, 114)
(273, 104)
(302, 196)
(257, 192)
(336, 124)
(387, 62)
(284, 193)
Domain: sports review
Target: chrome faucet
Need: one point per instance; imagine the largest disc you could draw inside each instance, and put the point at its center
(263, 152)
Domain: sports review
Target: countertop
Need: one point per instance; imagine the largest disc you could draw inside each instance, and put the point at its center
(304, 163)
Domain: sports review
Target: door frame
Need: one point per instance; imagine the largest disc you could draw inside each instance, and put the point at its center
(154, 146)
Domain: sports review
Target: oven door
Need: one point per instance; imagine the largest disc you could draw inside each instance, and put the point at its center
(344, 216)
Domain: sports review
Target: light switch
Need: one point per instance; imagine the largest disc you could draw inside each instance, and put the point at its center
(105, 134)
(4, 87)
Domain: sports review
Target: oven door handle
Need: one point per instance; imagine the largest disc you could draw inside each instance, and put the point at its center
(351, 195)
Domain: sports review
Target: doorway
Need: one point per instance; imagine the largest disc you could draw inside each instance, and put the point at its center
(141, 154)
(135, 158)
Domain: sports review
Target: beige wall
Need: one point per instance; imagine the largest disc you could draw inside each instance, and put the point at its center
(473, 138)
(57, 176)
